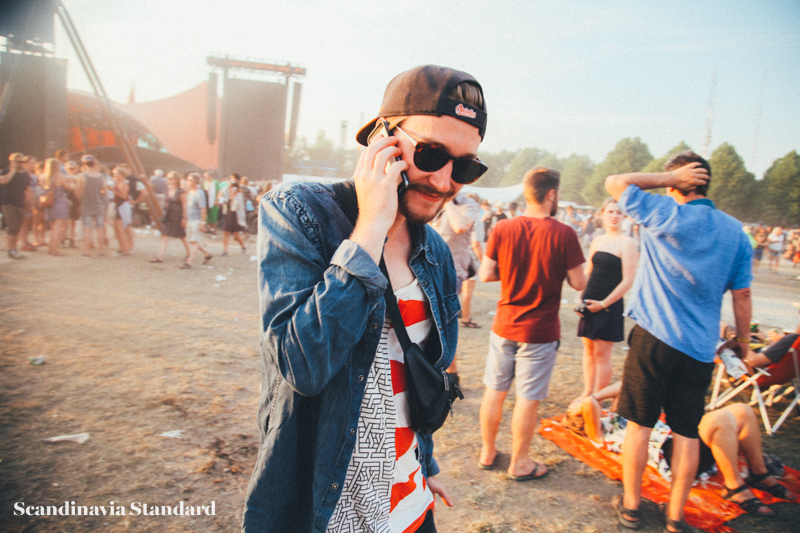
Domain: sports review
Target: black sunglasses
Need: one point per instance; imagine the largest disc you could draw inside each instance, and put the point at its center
(430, 157)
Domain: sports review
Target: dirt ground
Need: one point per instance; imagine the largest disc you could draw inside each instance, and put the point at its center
(134, 350)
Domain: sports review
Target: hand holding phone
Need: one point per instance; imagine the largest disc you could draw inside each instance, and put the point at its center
(382, 130)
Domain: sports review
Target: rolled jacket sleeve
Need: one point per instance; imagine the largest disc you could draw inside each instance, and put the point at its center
(314, 309)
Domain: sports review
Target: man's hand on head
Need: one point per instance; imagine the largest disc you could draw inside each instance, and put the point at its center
(687, 178)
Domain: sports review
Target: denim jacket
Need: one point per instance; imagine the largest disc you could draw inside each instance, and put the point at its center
(322, 311)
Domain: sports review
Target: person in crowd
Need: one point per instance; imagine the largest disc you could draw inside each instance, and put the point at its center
(37, 212)
(692, 254)
(173, 221)
(454, 223)
(122, 211)
(775, 242)
(91, 190)
(31, 205)
(195, 216)
(136, 190)
(327, 344)
(63, 158)
(57, 212)
(15, 194)
(724, 434)
(611, 268)
(571, 218)
(159, 184)
(760, 236)
(234, 217)
(768, 349)
(478, 245)
(211, 187)
(71, 187)
(530, 255)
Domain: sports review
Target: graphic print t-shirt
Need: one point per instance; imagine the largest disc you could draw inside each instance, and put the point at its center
(384, 490)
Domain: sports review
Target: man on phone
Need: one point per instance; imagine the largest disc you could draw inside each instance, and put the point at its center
(337, 452)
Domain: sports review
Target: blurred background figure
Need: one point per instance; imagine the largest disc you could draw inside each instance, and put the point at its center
(173, 221)
(56, 204)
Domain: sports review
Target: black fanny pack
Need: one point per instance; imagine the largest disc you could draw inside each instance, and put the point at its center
(430, 391)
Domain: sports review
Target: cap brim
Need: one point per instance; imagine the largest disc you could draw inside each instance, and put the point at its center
(363, 133)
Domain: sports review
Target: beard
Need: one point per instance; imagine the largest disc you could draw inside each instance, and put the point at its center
(416, 215)
(554, 209)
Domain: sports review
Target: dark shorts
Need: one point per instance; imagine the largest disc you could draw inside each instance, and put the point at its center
(13, 217)
(758, 254)
(657, 375)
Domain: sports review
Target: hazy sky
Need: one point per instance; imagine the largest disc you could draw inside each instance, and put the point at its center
(565, 76)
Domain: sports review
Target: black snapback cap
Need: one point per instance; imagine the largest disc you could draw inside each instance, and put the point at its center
(425, 90)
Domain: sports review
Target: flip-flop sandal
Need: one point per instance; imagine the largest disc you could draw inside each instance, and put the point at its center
(629, 518)
(678, 526)
(750, 506)
(529, 477)
(777, 490)
(470, 324)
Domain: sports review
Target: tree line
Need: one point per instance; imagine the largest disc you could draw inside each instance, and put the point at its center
(775, 199)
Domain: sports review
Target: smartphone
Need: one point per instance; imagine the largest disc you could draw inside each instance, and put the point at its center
(382, 130)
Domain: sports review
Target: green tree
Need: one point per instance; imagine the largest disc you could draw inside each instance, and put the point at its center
(732, 186)
(576, 170)
(657, 165)
(522, 163)
(498, 164)
(629, 155)
(780, 200)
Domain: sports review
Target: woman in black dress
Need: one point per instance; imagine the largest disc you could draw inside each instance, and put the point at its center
(233, 218)
(611, 267)
(173, 221)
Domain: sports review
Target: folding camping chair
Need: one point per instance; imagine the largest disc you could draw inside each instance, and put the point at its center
(783, 381)
(780, 379)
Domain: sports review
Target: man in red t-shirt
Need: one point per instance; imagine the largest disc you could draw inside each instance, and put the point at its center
(530, 255)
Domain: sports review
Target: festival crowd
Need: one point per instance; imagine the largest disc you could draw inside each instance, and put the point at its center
(44, 203)
(364, 285)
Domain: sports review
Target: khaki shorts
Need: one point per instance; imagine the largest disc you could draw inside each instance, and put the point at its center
(193, 233)
(530, 365)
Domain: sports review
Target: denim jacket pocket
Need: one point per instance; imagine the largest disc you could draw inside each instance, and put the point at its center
(451, 307)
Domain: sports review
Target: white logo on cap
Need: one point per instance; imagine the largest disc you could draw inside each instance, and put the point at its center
(465, 111)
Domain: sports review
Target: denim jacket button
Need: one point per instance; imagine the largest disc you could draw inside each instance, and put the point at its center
(361, 377)
(374, 326)
(335, 486)
(352, 431)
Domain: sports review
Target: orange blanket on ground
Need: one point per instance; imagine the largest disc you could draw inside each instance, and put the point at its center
(705, 509)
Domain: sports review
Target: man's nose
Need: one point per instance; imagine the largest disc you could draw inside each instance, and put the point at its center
(441, 178)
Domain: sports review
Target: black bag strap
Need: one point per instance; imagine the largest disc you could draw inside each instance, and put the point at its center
(347, 199)
(393, 310)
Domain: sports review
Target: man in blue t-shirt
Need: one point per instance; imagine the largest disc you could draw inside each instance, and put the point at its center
(692, 254)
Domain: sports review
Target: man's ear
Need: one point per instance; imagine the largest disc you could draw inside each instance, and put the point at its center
(551, 195)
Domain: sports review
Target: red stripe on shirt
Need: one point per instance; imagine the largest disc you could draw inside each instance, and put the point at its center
(413, 311)
(401, 490)
(398, 377)
(403, 439)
